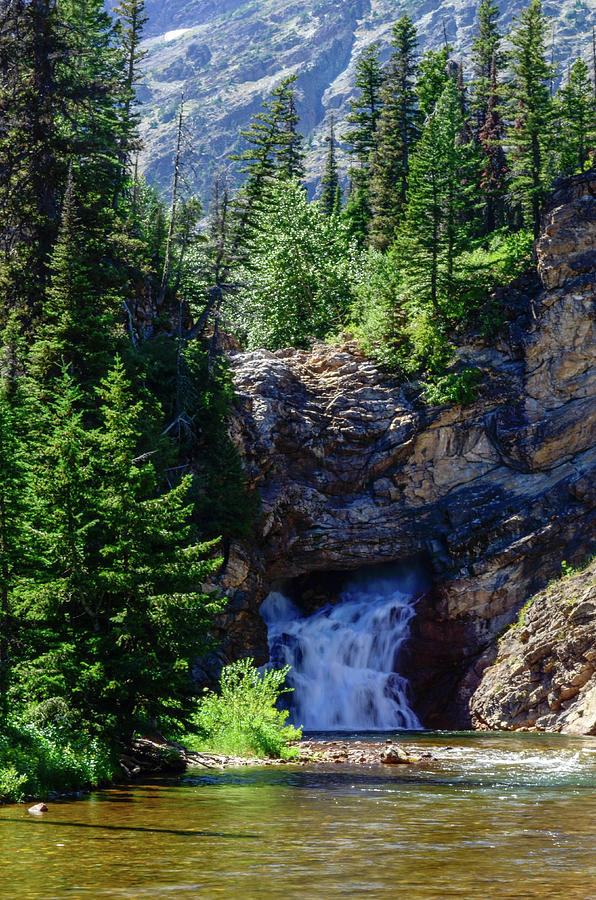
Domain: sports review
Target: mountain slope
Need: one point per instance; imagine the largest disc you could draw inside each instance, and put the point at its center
(226, 55)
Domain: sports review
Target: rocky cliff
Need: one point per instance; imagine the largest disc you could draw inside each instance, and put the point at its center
(226, 55)
(354, 470)
(542, 672)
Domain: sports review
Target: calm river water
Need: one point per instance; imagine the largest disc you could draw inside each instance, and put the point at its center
(492, 816)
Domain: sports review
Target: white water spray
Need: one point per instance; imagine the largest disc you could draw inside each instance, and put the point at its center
(344, 657)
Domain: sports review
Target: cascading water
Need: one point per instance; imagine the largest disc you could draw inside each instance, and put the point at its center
(344, 657)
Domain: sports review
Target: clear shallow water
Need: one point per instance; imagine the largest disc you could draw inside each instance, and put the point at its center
(493, 816)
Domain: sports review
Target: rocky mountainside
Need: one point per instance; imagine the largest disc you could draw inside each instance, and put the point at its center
(543, 671)
(226, 55)
(355, 470)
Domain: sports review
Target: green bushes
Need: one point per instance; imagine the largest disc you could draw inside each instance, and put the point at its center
(243, 719)
(35, 762)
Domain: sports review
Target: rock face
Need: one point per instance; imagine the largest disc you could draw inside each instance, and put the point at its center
(543, 672)
(355, 470)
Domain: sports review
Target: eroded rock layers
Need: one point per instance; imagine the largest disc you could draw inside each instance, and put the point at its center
(542, 672)
(354, 469)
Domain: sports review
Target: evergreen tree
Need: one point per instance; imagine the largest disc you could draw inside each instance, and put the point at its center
(433, 75)
(78, 327)
(290, 155)
(397, 133)
(274, 145)
(486, 61)
(442, 195)
(32, 91)
(14, 478)
(274, 151)
(119, 602)
(576, 119)
(364, 114)
(365, 109)
(530, 137)
(132, 19)
(494, 170)
(330, 181)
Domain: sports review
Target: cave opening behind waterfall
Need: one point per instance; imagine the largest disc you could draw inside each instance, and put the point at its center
(344, 635)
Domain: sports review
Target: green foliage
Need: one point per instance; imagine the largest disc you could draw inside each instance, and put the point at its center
(38, 761)
(397, 132)
(455, 388)
(365, 108)
(441, 203)
(575, 113)
(567, 570)
(114, 608)
(432, 80)
(530, 139)
(243, 717)
(298, 284)
(480, 271)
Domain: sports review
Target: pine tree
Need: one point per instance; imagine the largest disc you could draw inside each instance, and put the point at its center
(442, 195)
(397, 133)
(14, 478)
(432, 78)
(365, 109)
(290, 155)
(274, 144)
(364, 114)
(79, 323)
(32, 89)
(330, 180)
(486, 60)
(132, 20)
(576, 118)
(532, 110)
(494, 170)
(118, 598)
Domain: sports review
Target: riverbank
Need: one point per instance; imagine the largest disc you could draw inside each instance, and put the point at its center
(148, 757)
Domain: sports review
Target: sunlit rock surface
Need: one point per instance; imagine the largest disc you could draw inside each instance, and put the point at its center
(354, 469)
(543, 670)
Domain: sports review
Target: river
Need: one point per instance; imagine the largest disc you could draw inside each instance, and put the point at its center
(490, 816)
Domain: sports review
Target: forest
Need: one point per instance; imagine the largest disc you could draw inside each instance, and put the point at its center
(119, 484)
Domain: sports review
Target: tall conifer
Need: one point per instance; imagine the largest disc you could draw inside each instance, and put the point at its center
(397, 131)
(530, 137)
(494, 169)
(486, 60)
(365, 110)
(442, 196)
(576, 115)
(330, 180)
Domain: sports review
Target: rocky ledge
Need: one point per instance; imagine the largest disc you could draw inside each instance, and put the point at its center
(354, 470)
(151, 757)
(542, 673)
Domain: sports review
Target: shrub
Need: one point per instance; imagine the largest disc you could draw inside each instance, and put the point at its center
(456, 387)
(35, 762)
(243, 718)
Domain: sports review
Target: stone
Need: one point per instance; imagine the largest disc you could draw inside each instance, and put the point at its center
(395, 756)
(354, 470)
(38, 809)
(561, 624)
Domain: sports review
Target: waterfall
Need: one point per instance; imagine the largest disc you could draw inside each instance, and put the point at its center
(344, 657)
